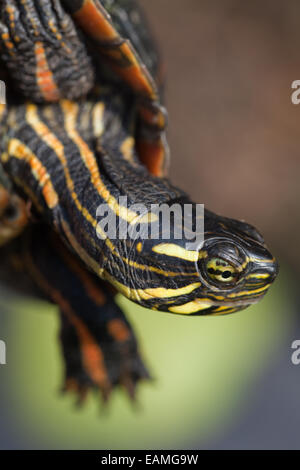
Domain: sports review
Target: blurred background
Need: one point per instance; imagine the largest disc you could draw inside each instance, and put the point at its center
(221, 383)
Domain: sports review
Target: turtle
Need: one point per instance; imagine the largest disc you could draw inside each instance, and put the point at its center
(83, 134)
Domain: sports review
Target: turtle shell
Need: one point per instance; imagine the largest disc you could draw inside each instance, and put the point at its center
(61, 49)
(130, 21)
(56, 49)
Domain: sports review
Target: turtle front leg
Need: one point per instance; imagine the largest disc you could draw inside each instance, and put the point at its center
(102, 357)
(124, 60)
(43, 51)
(98, 344)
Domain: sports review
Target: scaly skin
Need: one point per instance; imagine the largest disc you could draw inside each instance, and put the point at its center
(72, 168)
(67, 158)
(43, 52)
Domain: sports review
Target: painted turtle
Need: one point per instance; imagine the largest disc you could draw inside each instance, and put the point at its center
(83, 130)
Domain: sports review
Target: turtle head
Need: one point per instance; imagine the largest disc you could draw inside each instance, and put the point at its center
(236, 267)
(229, 271)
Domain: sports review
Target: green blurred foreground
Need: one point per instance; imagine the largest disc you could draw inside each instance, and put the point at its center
(205, 370)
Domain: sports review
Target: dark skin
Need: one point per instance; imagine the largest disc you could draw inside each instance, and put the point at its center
(67, 158)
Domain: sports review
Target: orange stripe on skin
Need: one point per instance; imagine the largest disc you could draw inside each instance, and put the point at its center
(152, 155)
(71, 386)
(96, 23)
(2, 111)
(118, 330)
(51, 140)
(18, 150)
(71, 110)
(135, 75)
(92, 355)
(44, 75)
(153, 117)
(4, 199)
(8, 44)
(91, 288)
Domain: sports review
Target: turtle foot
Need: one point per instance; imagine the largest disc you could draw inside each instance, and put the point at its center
(101, 368)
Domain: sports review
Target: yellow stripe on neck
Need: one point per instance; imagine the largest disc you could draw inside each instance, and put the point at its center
(151, 293)
(20, 151)
(71, 111)
(190, 307)
(170, 249)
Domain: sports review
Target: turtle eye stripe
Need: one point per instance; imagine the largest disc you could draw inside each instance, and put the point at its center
(225, 274)
(176, 251)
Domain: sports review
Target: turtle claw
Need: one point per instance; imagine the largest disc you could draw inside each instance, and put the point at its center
(124, 370)
(130, 387)
(105, 393)
(131, 377)
(82, 396)
(77, 389)
(83, 391)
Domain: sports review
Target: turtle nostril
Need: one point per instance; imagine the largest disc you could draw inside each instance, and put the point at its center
(266, 272)
(273, 270)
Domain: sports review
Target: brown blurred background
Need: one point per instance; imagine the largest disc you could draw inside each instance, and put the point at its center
(235, 142)
(234, 132)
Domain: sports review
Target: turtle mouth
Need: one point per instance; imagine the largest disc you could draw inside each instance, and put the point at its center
(239, 303)
(200, 306)
(229, 303)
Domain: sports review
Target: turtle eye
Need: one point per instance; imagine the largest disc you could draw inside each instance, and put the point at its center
(220, 270)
